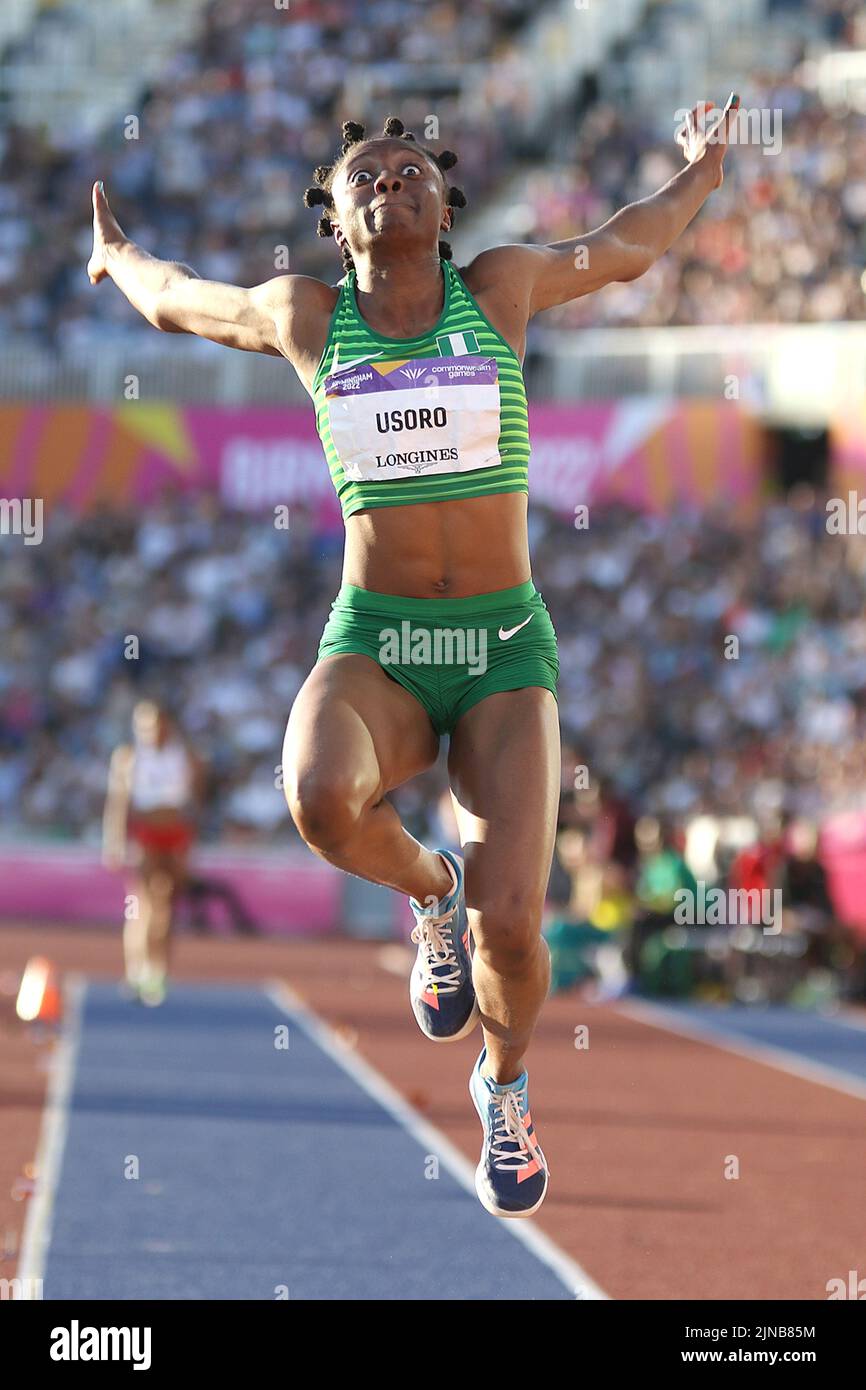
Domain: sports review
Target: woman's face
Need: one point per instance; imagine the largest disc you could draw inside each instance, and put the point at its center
(387, 194)
(149, 724)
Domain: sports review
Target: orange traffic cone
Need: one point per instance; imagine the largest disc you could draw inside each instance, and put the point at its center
(39, 995)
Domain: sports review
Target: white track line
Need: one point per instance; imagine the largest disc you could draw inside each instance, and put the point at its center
(772, 1056)
(432, 1140)
(52, 1140)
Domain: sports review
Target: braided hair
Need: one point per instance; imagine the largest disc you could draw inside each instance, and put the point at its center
(354, 134)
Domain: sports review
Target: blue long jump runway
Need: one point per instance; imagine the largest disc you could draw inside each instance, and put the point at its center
(260, 1172)
(825, 1039)
(825, 1048)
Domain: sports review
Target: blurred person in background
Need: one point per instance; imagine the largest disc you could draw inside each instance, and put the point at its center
(662, 874)
(591, 913)
(755, 869)
(610, 825)
(834, 956)
(803, 879)
(154, 786)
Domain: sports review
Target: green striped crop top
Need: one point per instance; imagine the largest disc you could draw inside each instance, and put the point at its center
(423, 419)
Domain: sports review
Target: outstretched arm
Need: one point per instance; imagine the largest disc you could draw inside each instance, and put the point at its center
(629, 242)
(175, 299)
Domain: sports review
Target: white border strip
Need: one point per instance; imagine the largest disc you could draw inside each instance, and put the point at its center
(52, 1141)
(432, 1140)
(657, 1016)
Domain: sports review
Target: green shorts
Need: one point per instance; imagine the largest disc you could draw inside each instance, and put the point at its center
(448, 653)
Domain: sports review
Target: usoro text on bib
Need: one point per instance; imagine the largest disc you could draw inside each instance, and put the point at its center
(415, 416)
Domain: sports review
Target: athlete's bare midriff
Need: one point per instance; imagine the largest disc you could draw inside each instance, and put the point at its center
(440, 549)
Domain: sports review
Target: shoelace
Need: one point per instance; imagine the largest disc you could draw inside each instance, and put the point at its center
(433, 935)
(508, 1128)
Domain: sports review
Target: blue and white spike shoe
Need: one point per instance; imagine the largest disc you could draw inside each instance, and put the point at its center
(440, 986)
(512, 1176)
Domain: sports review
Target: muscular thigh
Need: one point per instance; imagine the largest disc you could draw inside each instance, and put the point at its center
(505, 771)
(352, 724)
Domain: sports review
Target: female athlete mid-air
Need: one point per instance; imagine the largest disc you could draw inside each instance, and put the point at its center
(414, 369)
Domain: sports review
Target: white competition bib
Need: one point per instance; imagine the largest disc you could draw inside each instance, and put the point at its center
(415, 416)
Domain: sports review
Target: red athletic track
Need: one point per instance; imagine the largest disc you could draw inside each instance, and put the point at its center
(637, 1129)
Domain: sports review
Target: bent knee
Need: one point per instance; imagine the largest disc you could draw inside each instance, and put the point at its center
(507, 930)
(161, 886)
(325, 806)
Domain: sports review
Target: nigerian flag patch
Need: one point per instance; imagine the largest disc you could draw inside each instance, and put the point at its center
(457, 344)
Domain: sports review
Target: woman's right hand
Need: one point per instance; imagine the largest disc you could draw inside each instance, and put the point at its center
(106, 232)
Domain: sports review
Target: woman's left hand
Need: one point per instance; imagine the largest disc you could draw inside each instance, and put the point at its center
(704, 139)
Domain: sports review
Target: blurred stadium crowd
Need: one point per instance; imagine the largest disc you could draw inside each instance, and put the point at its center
(226, 610)
(782, 241)
(242, 115)
(713, 717)
(683, 753)
(235, 127)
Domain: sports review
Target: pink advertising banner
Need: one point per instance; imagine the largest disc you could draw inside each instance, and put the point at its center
(289, 892)
(652, 453)
(848, 451)
(843, 854)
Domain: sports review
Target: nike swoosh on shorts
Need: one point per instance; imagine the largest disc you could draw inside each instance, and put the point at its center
(504, 633)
